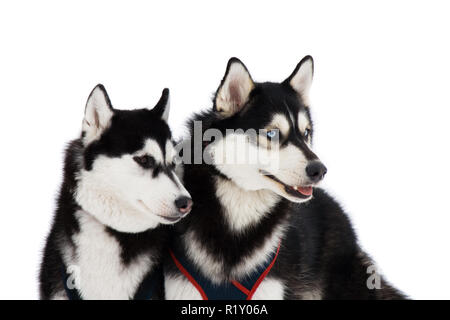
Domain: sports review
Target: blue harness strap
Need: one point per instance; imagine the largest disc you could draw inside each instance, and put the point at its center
(147, 290)
(233, 290)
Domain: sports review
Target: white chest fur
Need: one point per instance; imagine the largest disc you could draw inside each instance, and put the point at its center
(100, 273)
(242, 209)
(179, 288)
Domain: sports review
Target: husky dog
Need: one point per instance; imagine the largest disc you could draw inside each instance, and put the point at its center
(118, 195)
(263, 231)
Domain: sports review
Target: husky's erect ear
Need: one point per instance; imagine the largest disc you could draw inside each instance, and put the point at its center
(301, 79)
(97, 115)
(162, 108)
(234, 90)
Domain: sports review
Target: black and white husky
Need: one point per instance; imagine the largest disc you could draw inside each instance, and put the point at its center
(118, 195)
(262, 229)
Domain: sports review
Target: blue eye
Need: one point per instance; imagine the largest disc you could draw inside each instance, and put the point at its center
(307, 133)
(272, 134)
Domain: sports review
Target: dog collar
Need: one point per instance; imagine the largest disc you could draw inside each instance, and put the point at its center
(232, 290)
(147, 290)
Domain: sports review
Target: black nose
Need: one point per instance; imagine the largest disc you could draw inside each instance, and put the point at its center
(316, 170)
(184, 204)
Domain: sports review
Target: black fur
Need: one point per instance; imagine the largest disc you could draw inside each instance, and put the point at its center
(126, 134)
(128, 131)
(319, 248)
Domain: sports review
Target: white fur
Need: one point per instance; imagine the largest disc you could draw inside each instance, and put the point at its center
(243, 162)
(280, 122)
(211, 266)
(235, 90)
(178, 287)
(151, 147)
(261, 255)
(292, 167)
(109, 279)
(170, 152)
(97, 115)
(269, 289)
(302, 122)
(243, 209)
(302, 80)
(124, 196)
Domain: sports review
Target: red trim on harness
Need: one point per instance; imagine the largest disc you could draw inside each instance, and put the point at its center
(249, 293)
(240, 287)
(190, 278)
(263, 275)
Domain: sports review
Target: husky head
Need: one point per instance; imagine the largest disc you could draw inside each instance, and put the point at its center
(127, 179)
(271, 132)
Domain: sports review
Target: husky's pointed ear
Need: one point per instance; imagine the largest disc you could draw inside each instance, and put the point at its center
(234, 90)
(162, 108)
(97, 115)
(301, 79)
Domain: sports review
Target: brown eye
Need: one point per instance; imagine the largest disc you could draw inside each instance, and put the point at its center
(145, 161)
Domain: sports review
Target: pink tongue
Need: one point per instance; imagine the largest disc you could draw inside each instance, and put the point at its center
(307, 191)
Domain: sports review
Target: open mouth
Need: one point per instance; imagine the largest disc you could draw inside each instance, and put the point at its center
(302, 192)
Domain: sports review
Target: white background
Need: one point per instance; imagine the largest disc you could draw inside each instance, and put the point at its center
(380, 101)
